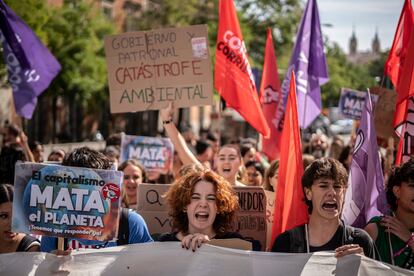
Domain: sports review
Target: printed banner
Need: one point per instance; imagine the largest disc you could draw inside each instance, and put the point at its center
(148, 69)
(168, 258)
(250, 220)
(352, 103)
(66, 202)
(152, 152)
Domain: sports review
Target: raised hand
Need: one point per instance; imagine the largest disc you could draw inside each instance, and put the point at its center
(168, 112)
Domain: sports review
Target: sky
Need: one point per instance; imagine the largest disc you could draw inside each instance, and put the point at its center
(365, 16)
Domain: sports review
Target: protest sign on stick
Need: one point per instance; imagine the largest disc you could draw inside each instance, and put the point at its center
(153, 153)
(66, 202)
(352, 103)
(148, 69)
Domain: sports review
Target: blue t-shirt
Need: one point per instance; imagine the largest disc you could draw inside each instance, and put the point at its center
(138, 233)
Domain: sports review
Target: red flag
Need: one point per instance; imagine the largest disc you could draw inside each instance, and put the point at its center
(272, 101)
(233, 75)
(399, 49)
(404, 111)
(290, 208)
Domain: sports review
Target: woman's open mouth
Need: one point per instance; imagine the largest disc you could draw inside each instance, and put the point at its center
(202, 216)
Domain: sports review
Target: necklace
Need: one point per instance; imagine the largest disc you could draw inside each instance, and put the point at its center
(307, 235)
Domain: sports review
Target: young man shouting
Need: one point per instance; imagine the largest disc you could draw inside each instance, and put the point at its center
(324, 184)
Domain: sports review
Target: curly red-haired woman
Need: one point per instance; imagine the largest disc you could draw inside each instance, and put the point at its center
(202, 208)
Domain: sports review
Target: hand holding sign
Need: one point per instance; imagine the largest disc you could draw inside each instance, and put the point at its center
(167, 114)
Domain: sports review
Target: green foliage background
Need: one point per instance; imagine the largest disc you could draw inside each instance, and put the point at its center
(74, 34)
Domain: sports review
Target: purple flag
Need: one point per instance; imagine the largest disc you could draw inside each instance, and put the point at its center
(30, 65)
(365, 196)
(309, 63)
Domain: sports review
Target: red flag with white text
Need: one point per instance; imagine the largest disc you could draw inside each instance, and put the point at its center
(233, 77)
(272, 101)
(290, 208)
(404, 110)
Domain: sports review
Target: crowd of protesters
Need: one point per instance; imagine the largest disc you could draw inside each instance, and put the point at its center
(203, 202)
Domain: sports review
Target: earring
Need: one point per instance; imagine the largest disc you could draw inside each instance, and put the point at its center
(185, 210)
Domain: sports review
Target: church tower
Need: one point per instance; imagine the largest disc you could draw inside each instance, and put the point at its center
(376, 47)
(353, 43)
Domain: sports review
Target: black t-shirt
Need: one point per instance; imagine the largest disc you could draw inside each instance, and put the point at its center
(356, 236)
(172, 236)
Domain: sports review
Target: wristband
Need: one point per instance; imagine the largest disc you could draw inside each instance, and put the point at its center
(167, 122)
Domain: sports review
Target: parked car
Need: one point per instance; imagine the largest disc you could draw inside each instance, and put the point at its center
(343, 126)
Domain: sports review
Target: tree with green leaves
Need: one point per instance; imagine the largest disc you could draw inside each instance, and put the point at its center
(282, 16)
(74, 34)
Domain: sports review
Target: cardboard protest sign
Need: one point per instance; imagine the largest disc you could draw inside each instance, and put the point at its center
(153, 208)
(250, 220)
(152, 152)
(384, 113)
(148, 69)
(67, 202)
(352, 103)
(270, 210)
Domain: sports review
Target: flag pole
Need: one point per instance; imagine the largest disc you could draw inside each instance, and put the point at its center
(304, 108)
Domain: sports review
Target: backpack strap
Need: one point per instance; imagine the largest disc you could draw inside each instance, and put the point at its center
(297, 240)
(123, 230)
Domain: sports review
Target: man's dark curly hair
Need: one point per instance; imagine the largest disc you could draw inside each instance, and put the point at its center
(405, 173)
(323, 168)
(87, 158)
(179, 196)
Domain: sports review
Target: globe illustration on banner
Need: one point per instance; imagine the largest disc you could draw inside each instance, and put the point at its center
(64, 172)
